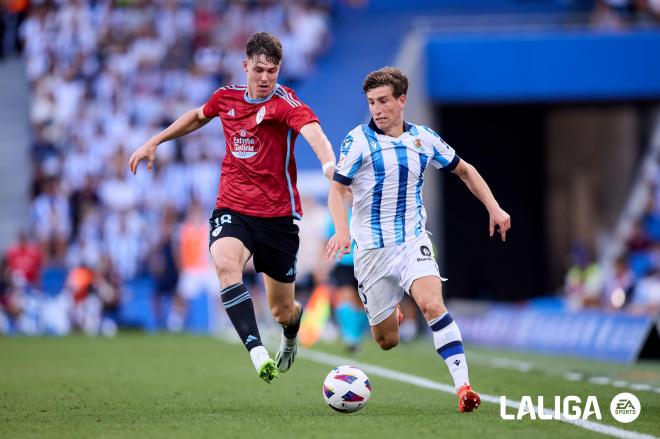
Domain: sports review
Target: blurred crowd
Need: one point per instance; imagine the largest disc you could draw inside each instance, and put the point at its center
(106, 75)
(613, 15)
(632, 282)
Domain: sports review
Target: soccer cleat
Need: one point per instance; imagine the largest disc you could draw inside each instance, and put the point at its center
(468, 400)
(268, 371)
(286, 355)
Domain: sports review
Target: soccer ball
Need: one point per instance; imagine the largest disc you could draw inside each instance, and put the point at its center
(346, 389)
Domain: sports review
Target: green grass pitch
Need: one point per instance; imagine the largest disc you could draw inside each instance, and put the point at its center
(192, 386)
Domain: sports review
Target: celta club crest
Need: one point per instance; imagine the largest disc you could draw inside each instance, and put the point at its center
(260, 114)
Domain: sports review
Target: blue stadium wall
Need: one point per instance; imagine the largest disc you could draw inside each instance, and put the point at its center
(555, 66)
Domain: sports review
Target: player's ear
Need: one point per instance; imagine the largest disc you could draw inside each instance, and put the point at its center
(245, 65)
(402, 101)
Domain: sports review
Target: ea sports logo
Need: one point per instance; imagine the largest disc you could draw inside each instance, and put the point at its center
(625, 407)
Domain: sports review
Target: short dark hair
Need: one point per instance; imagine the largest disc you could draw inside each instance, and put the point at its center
(263, 43)
(391, 76)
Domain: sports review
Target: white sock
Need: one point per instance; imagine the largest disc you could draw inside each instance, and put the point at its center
(449, 345)
(259, 355)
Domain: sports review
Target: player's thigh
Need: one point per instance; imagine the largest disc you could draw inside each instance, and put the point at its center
(229, 257)
(427, 293)
(230, 243)
(420, 276)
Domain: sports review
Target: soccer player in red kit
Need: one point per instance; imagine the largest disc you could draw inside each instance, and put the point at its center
(257, 197)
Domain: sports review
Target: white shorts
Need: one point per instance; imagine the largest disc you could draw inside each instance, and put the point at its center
(385, 274)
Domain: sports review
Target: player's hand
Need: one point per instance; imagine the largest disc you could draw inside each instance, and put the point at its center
(501, 220)
(145, 152)
(338, 246)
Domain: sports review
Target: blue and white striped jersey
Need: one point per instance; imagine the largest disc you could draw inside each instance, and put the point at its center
(386, 175)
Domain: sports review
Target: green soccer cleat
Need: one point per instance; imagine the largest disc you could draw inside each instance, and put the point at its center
(268, 371)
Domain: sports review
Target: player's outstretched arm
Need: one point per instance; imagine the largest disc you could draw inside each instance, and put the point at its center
(340, 243)
(186, 123)
(313, 133)
(477, 185)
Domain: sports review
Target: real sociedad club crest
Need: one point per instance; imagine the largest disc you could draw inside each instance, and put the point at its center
(260, 114)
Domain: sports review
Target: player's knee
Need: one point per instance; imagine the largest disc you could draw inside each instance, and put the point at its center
(388, 341)
(229, 272)
(432, 308)
(282, 313)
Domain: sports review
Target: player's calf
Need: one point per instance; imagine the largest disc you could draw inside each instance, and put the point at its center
(238, 304)
(285, 314)
(449, 345)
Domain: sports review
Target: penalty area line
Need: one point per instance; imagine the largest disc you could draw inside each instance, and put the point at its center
(335, 360)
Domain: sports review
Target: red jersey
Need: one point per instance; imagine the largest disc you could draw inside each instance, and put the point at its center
(259, 170)
(25, 259)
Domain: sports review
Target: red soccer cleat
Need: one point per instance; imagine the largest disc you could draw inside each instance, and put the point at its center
(468, 400)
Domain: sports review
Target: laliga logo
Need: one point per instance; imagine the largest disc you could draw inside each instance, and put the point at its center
(570, 408)
(625, 408)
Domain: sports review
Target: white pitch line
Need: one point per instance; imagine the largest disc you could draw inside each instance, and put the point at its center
(334, 360)
(522, 366)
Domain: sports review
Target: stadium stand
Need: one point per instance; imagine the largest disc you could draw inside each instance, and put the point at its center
(103, 77)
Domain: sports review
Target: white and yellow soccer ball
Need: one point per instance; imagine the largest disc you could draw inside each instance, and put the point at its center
(346, 389)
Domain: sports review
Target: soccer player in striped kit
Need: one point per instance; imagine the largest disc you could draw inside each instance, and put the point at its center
(257, 198)
(383, 163)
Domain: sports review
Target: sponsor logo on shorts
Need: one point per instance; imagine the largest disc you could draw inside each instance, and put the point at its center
(426, 252)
